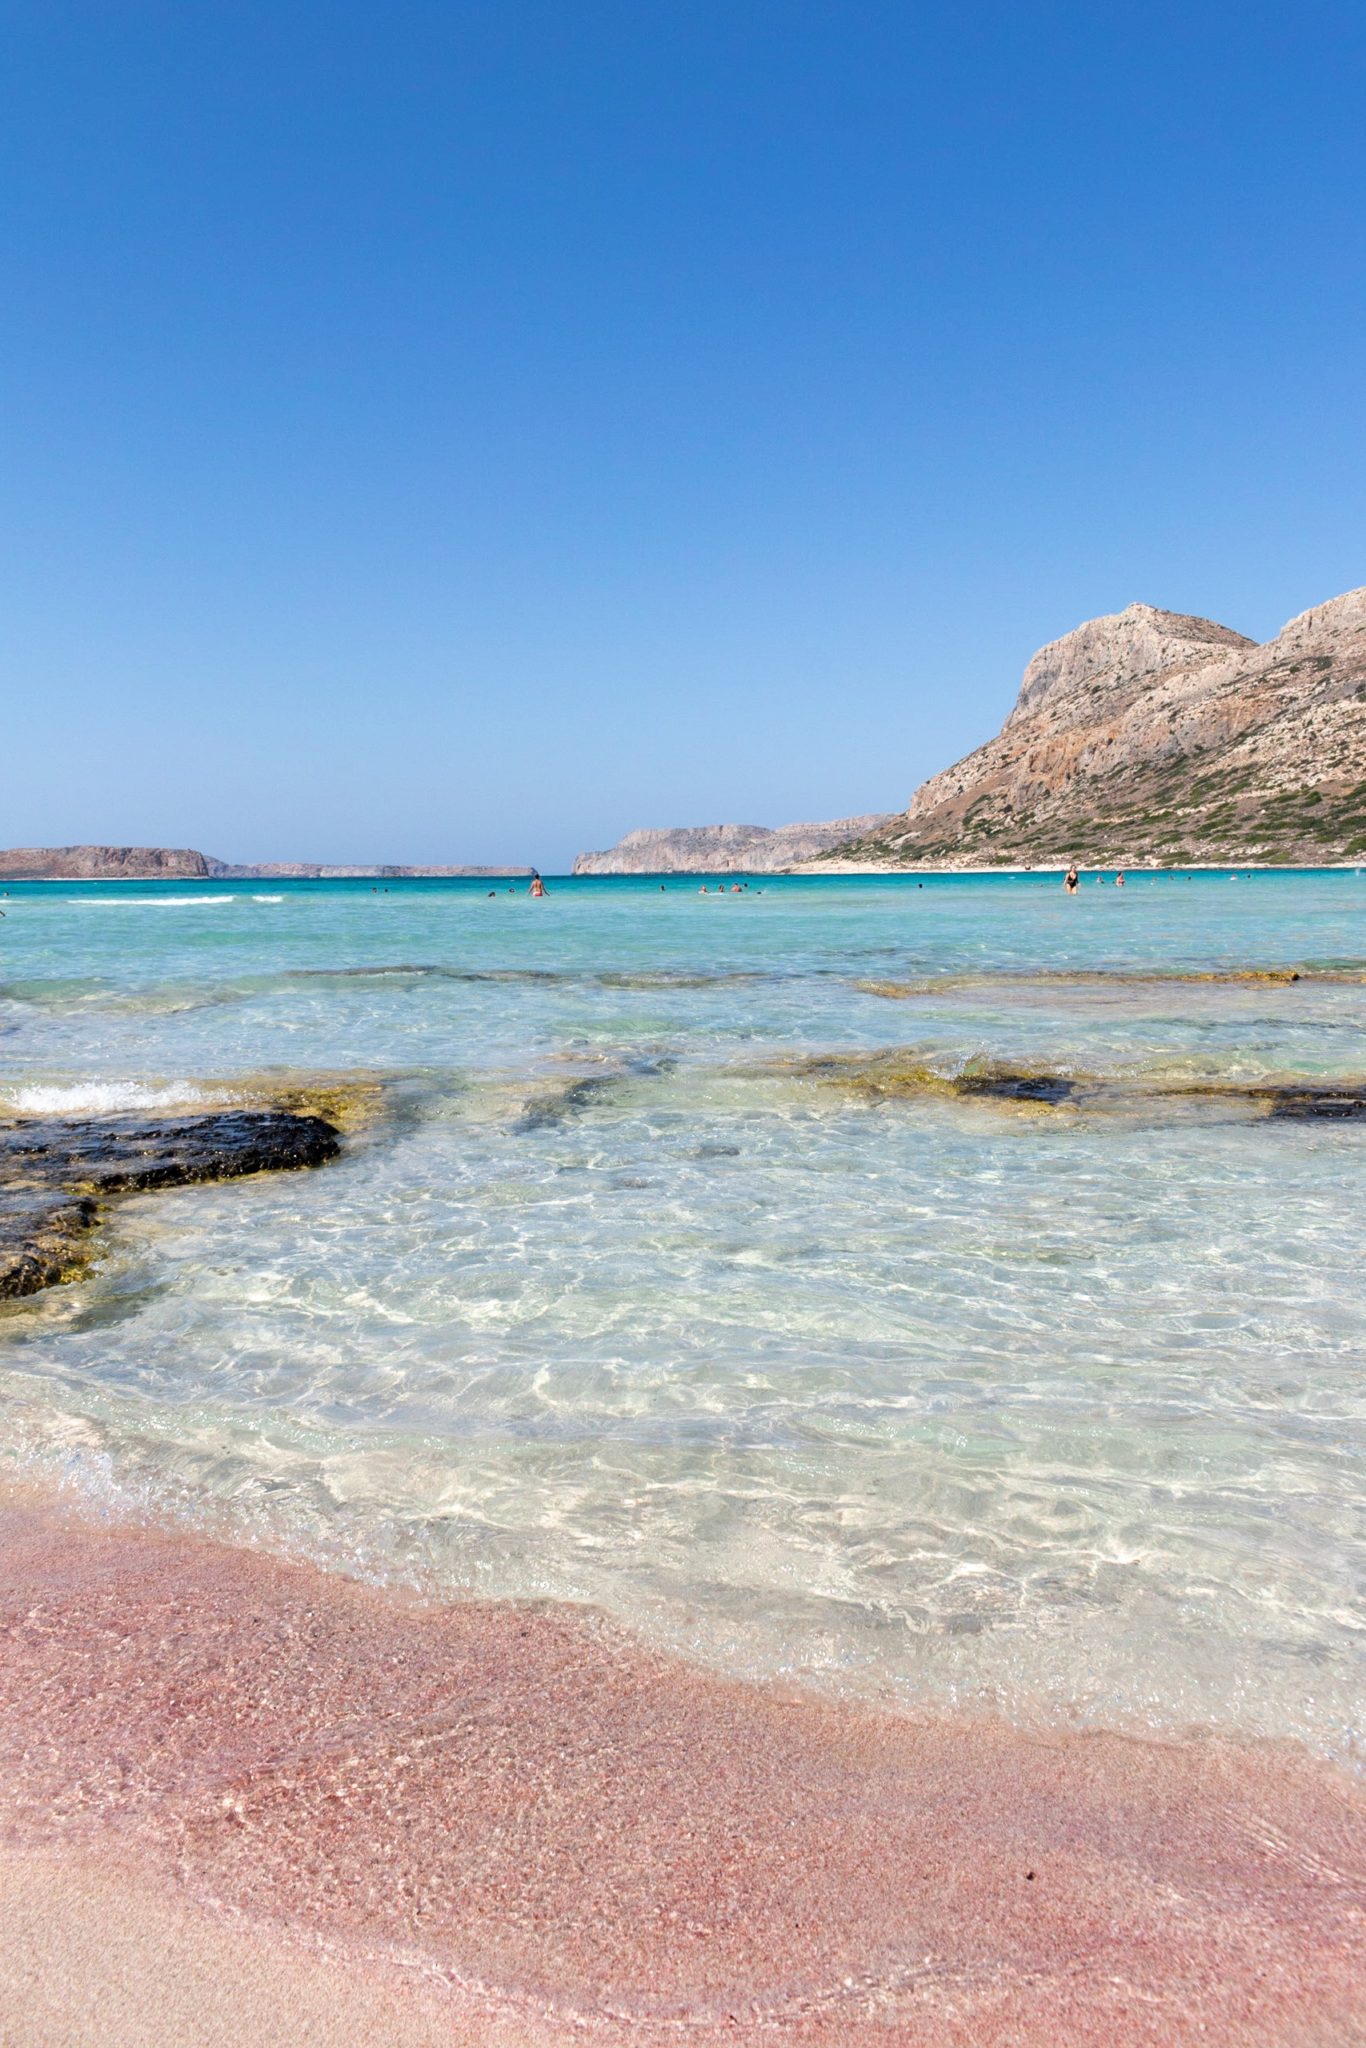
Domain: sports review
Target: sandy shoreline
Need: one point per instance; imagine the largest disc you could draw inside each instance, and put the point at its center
(492, 1823)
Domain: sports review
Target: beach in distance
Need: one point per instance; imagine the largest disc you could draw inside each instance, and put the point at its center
(633, 1467)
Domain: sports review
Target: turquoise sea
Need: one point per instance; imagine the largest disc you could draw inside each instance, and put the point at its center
(940, 1401)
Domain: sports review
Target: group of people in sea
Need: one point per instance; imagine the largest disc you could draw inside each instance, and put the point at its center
(538, 887)
(1071, 880)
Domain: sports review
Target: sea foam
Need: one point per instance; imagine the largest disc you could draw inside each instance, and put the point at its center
(99, 1098)
(148, 902)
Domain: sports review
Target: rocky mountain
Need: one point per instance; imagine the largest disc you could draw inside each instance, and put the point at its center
(1152, 737)
(180, 863)
(723, 849)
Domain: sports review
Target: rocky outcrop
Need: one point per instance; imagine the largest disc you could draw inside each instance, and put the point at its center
(1152, 737)
(56, 1172)
(722, 849)
(104, 863)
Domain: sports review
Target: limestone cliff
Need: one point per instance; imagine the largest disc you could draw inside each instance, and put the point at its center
(722, 849)
(1149, 736)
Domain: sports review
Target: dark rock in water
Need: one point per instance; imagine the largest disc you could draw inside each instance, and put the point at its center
(1315, 1102)
(40, 1237)
(1006, 1087)
(120, 1152)
(54, 1170)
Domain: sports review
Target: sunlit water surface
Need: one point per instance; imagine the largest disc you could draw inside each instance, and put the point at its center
(940, 1402)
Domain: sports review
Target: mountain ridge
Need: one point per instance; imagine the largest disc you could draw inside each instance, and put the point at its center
(1149, 737)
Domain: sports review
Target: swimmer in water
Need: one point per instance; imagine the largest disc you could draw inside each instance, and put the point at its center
(1071, 879)
(1119, 879)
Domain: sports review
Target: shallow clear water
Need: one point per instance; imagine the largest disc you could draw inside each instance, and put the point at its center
(930, 1399)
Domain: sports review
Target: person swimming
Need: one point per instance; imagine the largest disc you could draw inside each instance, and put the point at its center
(1119, 879)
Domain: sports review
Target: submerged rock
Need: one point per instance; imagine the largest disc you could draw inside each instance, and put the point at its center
(1110, 978)
(55, 1170)
(1008, 1087)
(558, 1100)
(901, 1074)
(1321, 1099)
(553, 1102)
(41, 1234)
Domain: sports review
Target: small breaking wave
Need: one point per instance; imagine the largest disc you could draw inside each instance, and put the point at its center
(146, 902)
(267, 899)
(98, 1098)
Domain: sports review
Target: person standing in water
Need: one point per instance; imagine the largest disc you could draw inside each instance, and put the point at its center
(537, 885)
(1071, 879)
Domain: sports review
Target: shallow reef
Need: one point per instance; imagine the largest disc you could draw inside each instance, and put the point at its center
(1350, 976)
(905, 1073)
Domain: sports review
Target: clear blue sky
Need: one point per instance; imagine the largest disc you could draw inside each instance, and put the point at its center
(464, 431)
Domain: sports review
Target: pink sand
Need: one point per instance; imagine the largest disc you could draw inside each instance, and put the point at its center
(551, 1829)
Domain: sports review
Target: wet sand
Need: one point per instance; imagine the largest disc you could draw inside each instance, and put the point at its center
(240, 1794)
(95, 1953)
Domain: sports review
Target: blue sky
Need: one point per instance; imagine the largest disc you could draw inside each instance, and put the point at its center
(465, 431)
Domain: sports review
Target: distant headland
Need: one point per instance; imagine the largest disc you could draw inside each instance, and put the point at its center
(183, 863)
(1146, 738)
(724, 849)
